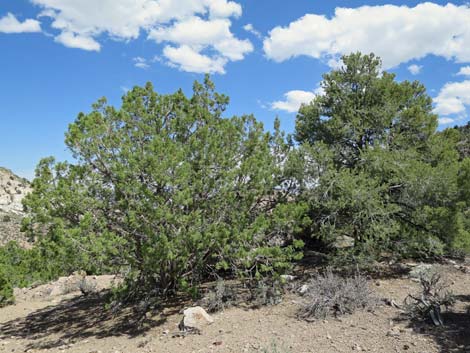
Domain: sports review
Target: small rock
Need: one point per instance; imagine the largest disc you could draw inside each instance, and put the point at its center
(356, 347)
(394, 332)
(195, 318)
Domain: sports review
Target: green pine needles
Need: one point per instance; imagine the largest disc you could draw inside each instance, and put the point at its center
(167, 192)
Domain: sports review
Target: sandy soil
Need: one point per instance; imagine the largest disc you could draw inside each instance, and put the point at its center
(74, 323)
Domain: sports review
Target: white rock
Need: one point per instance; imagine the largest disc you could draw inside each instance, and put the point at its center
(195, 318)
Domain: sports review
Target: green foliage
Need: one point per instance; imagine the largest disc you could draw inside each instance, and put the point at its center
(6, 290)
(20, 267)
(374, 167)
(167, 192)
(363, 107)
(463, 145)
(220, 297)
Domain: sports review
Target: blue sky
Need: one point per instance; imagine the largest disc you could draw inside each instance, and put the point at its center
(59, 56)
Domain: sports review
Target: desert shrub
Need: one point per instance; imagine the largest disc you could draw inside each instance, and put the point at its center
(420, 246)
(20, 267)
(434, 295)
(220, 297)
(6, 218)
(331, 295)
(6, 289)
(266, 292)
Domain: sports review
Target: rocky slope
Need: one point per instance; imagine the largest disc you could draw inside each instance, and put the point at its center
(12, 191)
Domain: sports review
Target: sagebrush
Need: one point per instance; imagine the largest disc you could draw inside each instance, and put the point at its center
(329, 294)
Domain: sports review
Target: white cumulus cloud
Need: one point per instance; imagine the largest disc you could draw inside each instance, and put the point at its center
(223, 8)
(464, 71)
(78, 41)
(10, 24)
(415, 69)
(294, 99)
(452, 101)
(446, 121)
(187, 59)
(141, 63)
(250, 29)
(182, 24)
(397, 34)
(196, 35)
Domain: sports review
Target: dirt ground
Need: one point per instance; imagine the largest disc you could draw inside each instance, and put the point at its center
(74, 323)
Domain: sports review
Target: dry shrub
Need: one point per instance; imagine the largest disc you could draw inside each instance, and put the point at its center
(434, 295)
(221, 297)
(331, 295)
(266, 293)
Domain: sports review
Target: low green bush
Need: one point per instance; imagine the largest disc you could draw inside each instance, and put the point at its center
(6, 290)
(20, 267)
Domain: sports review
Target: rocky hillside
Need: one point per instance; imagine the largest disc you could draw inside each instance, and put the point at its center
(12, 190)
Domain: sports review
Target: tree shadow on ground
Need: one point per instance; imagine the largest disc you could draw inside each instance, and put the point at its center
(76, 319)
(454, 336)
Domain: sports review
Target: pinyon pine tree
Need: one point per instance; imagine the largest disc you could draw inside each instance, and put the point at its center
(166, 192)
(374, 167)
